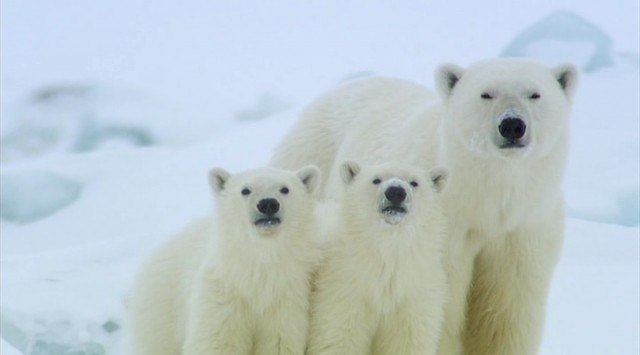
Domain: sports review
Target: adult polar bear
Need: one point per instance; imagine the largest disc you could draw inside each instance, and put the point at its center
(501, 128)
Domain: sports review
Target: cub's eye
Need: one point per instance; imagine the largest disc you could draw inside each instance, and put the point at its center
(284, 190)
(534, 96)
(245, 191)
(376, 181)
(414, 183)
(486, 96)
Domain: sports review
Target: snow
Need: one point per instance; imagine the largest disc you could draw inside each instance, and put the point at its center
(593, 305)
(561, 30)
(219, 84)
(28, 196)
(67, 118)
(7, 349)
(603, 178)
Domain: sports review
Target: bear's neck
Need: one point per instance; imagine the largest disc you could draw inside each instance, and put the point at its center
(250, 249)
(515, 191)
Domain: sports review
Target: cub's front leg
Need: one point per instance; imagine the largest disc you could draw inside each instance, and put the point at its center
(341, 323)
(414, 329)
(217, 324)
(284, 329)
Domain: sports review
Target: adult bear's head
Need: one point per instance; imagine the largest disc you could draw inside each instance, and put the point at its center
(507, 108)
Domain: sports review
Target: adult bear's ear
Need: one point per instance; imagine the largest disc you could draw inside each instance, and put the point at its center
(439, 178)
(310, 177)
(348, 171)
(446, 78)
(218, 178)
(567, 76)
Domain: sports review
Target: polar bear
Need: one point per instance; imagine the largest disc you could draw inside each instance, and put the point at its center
(501, 128)
(381, 288)
(237, 283)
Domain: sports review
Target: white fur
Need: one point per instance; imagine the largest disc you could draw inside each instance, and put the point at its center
(227, 286)
(504, 206)
(381, 288)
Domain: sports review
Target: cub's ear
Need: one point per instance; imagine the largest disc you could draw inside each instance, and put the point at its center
(567, 76)
(446, 78)
(218, 178)
(440, 178)
(310, 177)
(349, 170)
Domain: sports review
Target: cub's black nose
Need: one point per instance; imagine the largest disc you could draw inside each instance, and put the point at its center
(395, 194)
(268, 206)
(512, 128)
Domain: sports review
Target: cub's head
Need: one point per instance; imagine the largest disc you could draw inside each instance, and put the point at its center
(507, 108)
(265, 201)
(390, 194)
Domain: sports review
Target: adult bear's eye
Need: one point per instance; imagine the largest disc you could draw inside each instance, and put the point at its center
(486, 96)
(245, 191)
(534, 96)
(284, 190)
(376, 181)
(414, 183)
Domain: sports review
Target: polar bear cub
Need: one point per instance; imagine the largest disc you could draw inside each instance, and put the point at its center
(381, 288)
(239, 283)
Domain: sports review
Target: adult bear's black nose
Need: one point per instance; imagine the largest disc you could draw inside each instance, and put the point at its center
(395, 194)
(268, 206)
(512, 128)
